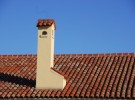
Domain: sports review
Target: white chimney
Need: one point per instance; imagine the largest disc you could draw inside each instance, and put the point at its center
(46, 78)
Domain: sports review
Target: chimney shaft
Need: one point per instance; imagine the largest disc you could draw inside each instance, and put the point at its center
(46, 78)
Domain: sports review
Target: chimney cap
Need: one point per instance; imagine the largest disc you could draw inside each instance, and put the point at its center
(46, 22)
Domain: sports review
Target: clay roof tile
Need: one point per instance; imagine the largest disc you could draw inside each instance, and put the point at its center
(46, 22)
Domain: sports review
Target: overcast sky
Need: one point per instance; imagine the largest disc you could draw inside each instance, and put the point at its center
(83, 26)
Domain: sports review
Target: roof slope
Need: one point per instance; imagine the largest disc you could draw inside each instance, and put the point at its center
(95, 76)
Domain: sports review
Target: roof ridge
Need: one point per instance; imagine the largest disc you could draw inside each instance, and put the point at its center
(95, 54)
(75, 55)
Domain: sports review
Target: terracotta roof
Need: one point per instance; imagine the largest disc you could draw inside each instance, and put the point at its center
(46, 22)
(87, 75)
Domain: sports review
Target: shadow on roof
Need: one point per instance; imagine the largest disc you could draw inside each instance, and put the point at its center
(17, 80)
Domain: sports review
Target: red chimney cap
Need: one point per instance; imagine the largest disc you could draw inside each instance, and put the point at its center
(46, 22)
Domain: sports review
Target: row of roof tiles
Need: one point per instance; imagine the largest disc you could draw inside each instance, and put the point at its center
(87, 55)
(46, 22)
(105, 54)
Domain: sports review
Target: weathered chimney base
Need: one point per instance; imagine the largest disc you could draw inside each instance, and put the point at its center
(54, 81)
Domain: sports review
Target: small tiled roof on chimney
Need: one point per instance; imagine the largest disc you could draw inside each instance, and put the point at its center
(87, 76)
(46, 22)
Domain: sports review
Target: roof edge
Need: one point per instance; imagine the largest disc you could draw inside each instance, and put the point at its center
(75, 55)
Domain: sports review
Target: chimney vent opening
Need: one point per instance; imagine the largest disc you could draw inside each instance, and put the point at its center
(44, 33)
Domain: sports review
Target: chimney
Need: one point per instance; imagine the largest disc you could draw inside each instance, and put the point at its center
(46, 78)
